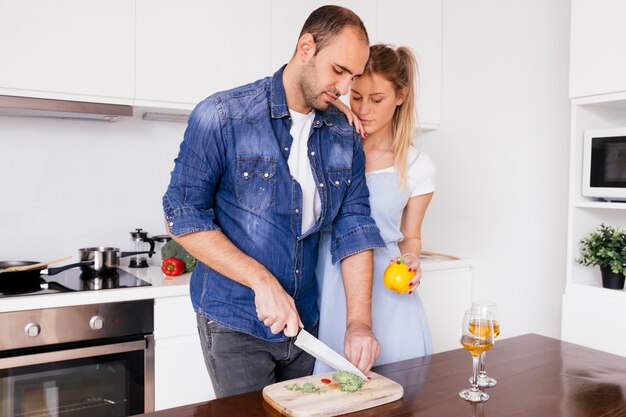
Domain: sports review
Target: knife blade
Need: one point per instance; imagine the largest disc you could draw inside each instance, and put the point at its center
(314, 347)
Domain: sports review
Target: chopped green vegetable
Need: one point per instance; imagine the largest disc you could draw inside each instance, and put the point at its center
(306, 387)
(173, 249)
(309, 387)
(349, 382)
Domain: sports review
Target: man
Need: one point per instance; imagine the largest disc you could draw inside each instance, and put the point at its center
(261, 170)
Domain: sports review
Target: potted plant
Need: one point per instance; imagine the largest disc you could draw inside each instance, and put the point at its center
(606, 248)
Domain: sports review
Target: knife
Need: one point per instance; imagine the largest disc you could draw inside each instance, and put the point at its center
(314, 347)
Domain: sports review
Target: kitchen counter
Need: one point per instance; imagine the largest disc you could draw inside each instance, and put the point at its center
(161, 287)
(537, 376)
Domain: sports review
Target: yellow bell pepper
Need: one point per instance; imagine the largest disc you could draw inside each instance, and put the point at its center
(397, 276)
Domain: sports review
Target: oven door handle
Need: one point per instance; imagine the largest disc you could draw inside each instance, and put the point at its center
(69, 354)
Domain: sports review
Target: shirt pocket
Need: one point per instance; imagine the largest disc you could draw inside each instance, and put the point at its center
(256, 182)
(340, 177)
(339, 180)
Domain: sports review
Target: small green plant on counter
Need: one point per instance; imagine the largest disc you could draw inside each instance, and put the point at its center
(604, 247)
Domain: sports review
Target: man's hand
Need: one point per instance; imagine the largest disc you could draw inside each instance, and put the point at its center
(360, 346)
(275, 308)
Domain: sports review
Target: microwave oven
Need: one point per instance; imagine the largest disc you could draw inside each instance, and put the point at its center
(604, 164)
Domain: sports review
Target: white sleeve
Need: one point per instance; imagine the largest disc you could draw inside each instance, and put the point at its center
(420, 173)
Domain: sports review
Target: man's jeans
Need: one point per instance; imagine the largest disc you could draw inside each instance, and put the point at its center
(238, 362)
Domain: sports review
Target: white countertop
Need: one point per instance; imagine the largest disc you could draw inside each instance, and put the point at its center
(161, 287)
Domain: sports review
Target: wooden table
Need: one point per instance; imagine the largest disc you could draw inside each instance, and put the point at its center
(537, 376)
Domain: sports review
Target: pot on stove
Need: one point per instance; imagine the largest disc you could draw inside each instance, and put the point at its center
(105, 259)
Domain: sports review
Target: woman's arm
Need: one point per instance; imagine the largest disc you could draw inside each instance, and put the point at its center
(411, 225)
(411, 228)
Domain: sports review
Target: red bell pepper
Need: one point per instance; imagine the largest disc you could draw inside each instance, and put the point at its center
(173, 266)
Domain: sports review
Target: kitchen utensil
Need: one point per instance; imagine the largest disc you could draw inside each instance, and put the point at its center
(140, 240)
(104, 258)
(29, 280)
(33, 266)
(159, 241)
(314, 347)
(378, 390)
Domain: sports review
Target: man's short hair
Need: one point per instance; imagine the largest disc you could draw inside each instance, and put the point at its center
(327, 21)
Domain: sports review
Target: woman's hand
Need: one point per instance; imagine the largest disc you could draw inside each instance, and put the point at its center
(412, 261)
(353, 119)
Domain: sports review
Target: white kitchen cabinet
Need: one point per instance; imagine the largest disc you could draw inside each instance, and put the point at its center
(189, 49)
(598, 89)
(179, 371)
(446, 292)
(585, 303)
(70, 49)
(418, 25)
(597, 58)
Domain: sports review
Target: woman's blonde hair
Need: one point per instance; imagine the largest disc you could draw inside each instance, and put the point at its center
(399, 66)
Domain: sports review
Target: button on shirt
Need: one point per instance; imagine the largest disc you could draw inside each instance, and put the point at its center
(232, 174)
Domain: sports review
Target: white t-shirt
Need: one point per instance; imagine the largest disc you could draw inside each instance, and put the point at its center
(420, 173)
(300, 168)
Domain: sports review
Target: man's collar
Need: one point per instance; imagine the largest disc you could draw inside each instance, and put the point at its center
(278, 99)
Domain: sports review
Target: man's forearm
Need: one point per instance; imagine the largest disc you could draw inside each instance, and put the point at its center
(356, 272)
(214, 249)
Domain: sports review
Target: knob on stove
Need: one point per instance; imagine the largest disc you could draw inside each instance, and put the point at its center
(32, 329)
(96, 322)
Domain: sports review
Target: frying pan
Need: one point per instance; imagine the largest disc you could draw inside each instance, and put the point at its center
(18, 282)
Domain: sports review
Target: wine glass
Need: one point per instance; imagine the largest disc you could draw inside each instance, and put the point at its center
(477, 337)
(485, 381)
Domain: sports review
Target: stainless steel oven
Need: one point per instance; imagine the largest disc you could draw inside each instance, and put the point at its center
(91, 360)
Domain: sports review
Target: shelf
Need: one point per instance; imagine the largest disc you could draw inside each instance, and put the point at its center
(611, 100)
(594, 291)
(601, 205)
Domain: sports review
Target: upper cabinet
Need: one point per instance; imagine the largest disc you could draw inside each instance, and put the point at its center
(71, 49)
(189, 49)
(167, 54)
(597, 58)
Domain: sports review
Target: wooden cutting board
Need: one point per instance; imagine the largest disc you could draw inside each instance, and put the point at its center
(330, 402)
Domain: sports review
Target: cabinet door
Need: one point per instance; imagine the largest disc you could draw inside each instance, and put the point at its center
(288, 17)
(445, 295)
(189, 49)
(597, 58)
(180, 376)
(417, 24)
(70, 49)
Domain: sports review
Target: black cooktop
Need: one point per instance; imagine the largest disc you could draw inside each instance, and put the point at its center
(70, 280)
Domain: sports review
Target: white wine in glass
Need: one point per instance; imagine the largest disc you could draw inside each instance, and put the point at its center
(477, 337)
(485, 381)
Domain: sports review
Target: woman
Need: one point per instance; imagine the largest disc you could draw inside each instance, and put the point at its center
(400, 179)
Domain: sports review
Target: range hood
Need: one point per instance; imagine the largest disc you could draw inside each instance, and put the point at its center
(61, 109)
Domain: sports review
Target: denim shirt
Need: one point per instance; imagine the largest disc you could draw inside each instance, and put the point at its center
(231, 174)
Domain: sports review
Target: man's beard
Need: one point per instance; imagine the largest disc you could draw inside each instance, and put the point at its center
(308, 88)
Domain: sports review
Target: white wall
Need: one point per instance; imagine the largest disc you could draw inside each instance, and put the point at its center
(67, 184)
(502, 155)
